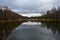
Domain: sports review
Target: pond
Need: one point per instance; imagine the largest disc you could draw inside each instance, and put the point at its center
(30, 31)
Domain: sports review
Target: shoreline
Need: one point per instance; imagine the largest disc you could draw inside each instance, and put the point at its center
(52, 20)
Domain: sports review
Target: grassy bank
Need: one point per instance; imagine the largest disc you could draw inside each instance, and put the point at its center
(20, 20)
(47, 20)
(43, 20)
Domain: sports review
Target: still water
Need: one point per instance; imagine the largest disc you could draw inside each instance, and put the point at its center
(31, 31)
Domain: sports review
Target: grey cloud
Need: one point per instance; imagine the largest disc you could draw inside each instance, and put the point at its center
(30, 5)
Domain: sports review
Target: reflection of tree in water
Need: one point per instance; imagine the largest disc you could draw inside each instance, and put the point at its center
(54, 26)
(7, 27)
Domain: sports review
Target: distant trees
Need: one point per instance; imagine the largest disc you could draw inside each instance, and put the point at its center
(2, 14)
(52, 14)
(7, 14)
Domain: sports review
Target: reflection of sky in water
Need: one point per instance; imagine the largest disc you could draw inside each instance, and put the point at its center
(31, 32)
(31, 23)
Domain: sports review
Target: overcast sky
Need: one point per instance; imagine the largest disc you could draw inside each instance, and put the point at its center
(30, 5)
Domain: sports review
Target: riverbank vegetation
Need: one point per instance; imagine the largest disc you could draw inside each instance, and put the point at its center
(50, 15)
(53, 14)
(8, 15)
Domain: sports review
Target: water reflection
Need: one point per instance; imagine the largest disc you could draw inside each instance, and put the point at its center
(6, 28)
(33, 31)
(30, 30)
(54, 26)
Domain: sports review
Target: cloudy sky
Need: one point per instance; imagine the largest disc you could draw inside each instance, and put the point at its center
(30, 5)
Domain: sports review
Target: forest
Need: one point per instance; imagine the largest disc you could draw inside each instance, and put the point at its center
(53, 14)
(7, 14)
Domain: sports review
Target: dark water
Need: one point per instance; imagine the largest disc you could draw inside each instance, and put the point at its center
(30, 31)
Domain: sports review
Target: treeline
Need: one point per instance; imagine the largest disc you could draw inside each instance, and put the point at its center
(51, 14)
(7, 14)
(54, 26)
